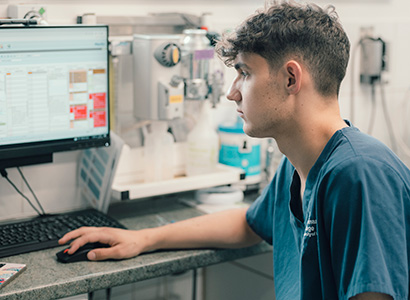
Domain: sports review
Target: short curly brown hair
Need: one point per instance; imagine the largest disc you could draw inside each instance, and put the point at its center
(288, 30)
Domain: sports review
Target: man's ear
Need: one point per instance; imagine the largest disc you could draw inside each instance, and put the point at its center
(294, 76)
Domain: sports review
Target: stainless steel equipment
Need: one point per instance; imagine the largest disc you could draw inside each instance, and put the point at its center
(158, 86)
(171, 68)
(196, 56)
(203, 75)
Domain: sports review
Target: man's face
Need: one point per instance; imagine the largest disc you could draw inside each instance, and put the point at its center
(260, 96)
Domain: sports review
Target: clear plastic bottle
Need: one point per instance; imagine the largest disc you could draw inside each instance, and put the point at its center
(202, 144)
(159, 153)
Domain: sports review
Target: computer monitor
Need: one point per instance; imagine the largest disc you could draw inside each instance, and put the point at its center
(53, 91)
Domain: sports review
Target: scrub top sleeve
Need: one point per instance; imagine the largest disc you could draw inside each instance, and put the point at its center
(364, 225)
(259, 215)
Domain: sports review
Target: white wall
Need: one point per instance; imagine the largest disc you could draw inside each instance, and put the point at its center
(391, 22)
(55, 183)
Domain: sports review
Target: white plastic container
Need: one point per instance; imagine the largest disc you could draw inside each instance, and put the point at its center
(159, 153)
(202, 144)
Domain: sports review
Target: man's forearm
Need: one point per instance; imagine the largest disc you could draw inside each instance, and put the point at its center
(227, 229)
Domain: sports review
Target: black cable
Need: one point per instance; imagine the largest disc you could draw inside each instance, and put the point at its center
(4, 174)
(32, 192)
(32, 14)
(373, 112)
(108, 294)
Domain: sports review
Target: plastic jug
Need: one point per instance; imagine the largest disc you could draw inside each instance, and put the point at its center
(202, 144)
(159, 154)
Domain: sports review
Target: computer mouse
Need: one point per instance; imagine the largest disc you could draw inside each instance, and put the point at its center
(80, 254)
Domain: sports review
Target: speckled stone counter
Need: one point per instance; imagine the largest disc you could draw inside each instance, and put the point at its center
(46, 278)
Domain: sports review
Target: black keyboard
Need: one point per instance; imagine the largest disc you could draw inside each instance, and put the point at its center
(44, 232)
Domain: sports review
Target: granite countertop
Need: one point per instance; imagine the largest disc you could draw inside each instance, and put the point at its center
(46, 278)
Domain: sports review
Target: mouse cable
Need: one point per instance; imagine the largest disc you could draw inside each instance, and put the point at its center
(32, 192)
(4, 174)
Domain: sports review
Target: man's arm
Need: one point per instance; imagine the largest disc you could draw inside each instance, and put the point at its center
(227, 229)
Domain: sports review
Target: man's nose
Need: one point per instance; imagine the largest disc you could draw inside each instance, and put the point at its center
(233, 93)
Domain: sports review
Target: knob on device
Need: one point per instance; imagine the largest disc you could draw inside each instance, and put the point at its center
(168, 54)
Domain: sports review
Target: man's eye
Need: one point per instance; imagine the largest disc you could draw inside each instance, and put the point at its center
(244, 74)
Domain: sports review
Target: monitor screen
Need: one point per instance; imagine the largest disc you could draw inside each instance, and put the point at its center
(53, 91)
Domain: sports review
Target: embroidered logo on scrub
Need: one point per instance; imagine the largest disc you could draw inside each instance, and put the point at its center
(310, 229)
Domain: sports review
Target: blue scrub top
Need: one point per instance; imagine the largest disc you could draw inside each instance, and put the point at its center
(351, 235)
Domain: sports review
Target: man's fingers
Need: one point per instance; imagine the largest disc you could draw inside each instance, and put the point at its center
(66, 238)
(79, 238)
(118, 251)
(73, 235)
(79, 242)
(104, 253)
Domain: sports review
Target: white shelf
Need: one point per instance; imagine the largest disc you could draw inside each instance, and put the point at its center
(134, 190)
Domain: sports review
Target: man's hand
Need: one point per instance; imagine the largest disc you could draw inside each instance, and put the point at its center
(123, 243)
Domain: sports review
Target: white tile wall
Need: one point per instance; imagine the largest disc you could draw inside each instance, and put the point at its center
(55, 183)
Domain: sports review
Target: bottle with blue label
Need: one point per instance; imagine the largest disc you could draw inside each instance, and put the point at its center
(239, 150)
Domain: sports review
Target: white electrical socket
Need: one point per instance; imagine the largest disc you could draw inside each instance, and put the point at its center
(21, 11)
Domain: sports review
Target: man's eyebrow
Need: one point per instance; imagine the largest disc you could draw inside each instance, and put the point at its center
(241, 65)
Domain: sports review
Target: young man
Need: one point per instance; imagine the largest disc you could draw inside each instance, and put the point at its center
(337, 210)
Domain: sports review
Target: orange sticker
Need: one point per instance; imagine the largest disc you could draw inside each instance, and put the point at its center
(176, 99)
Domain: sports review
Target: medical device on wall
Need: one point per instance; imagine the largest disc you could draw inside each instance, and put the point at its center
(169, 69)
(372, 59)
(53, 91)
